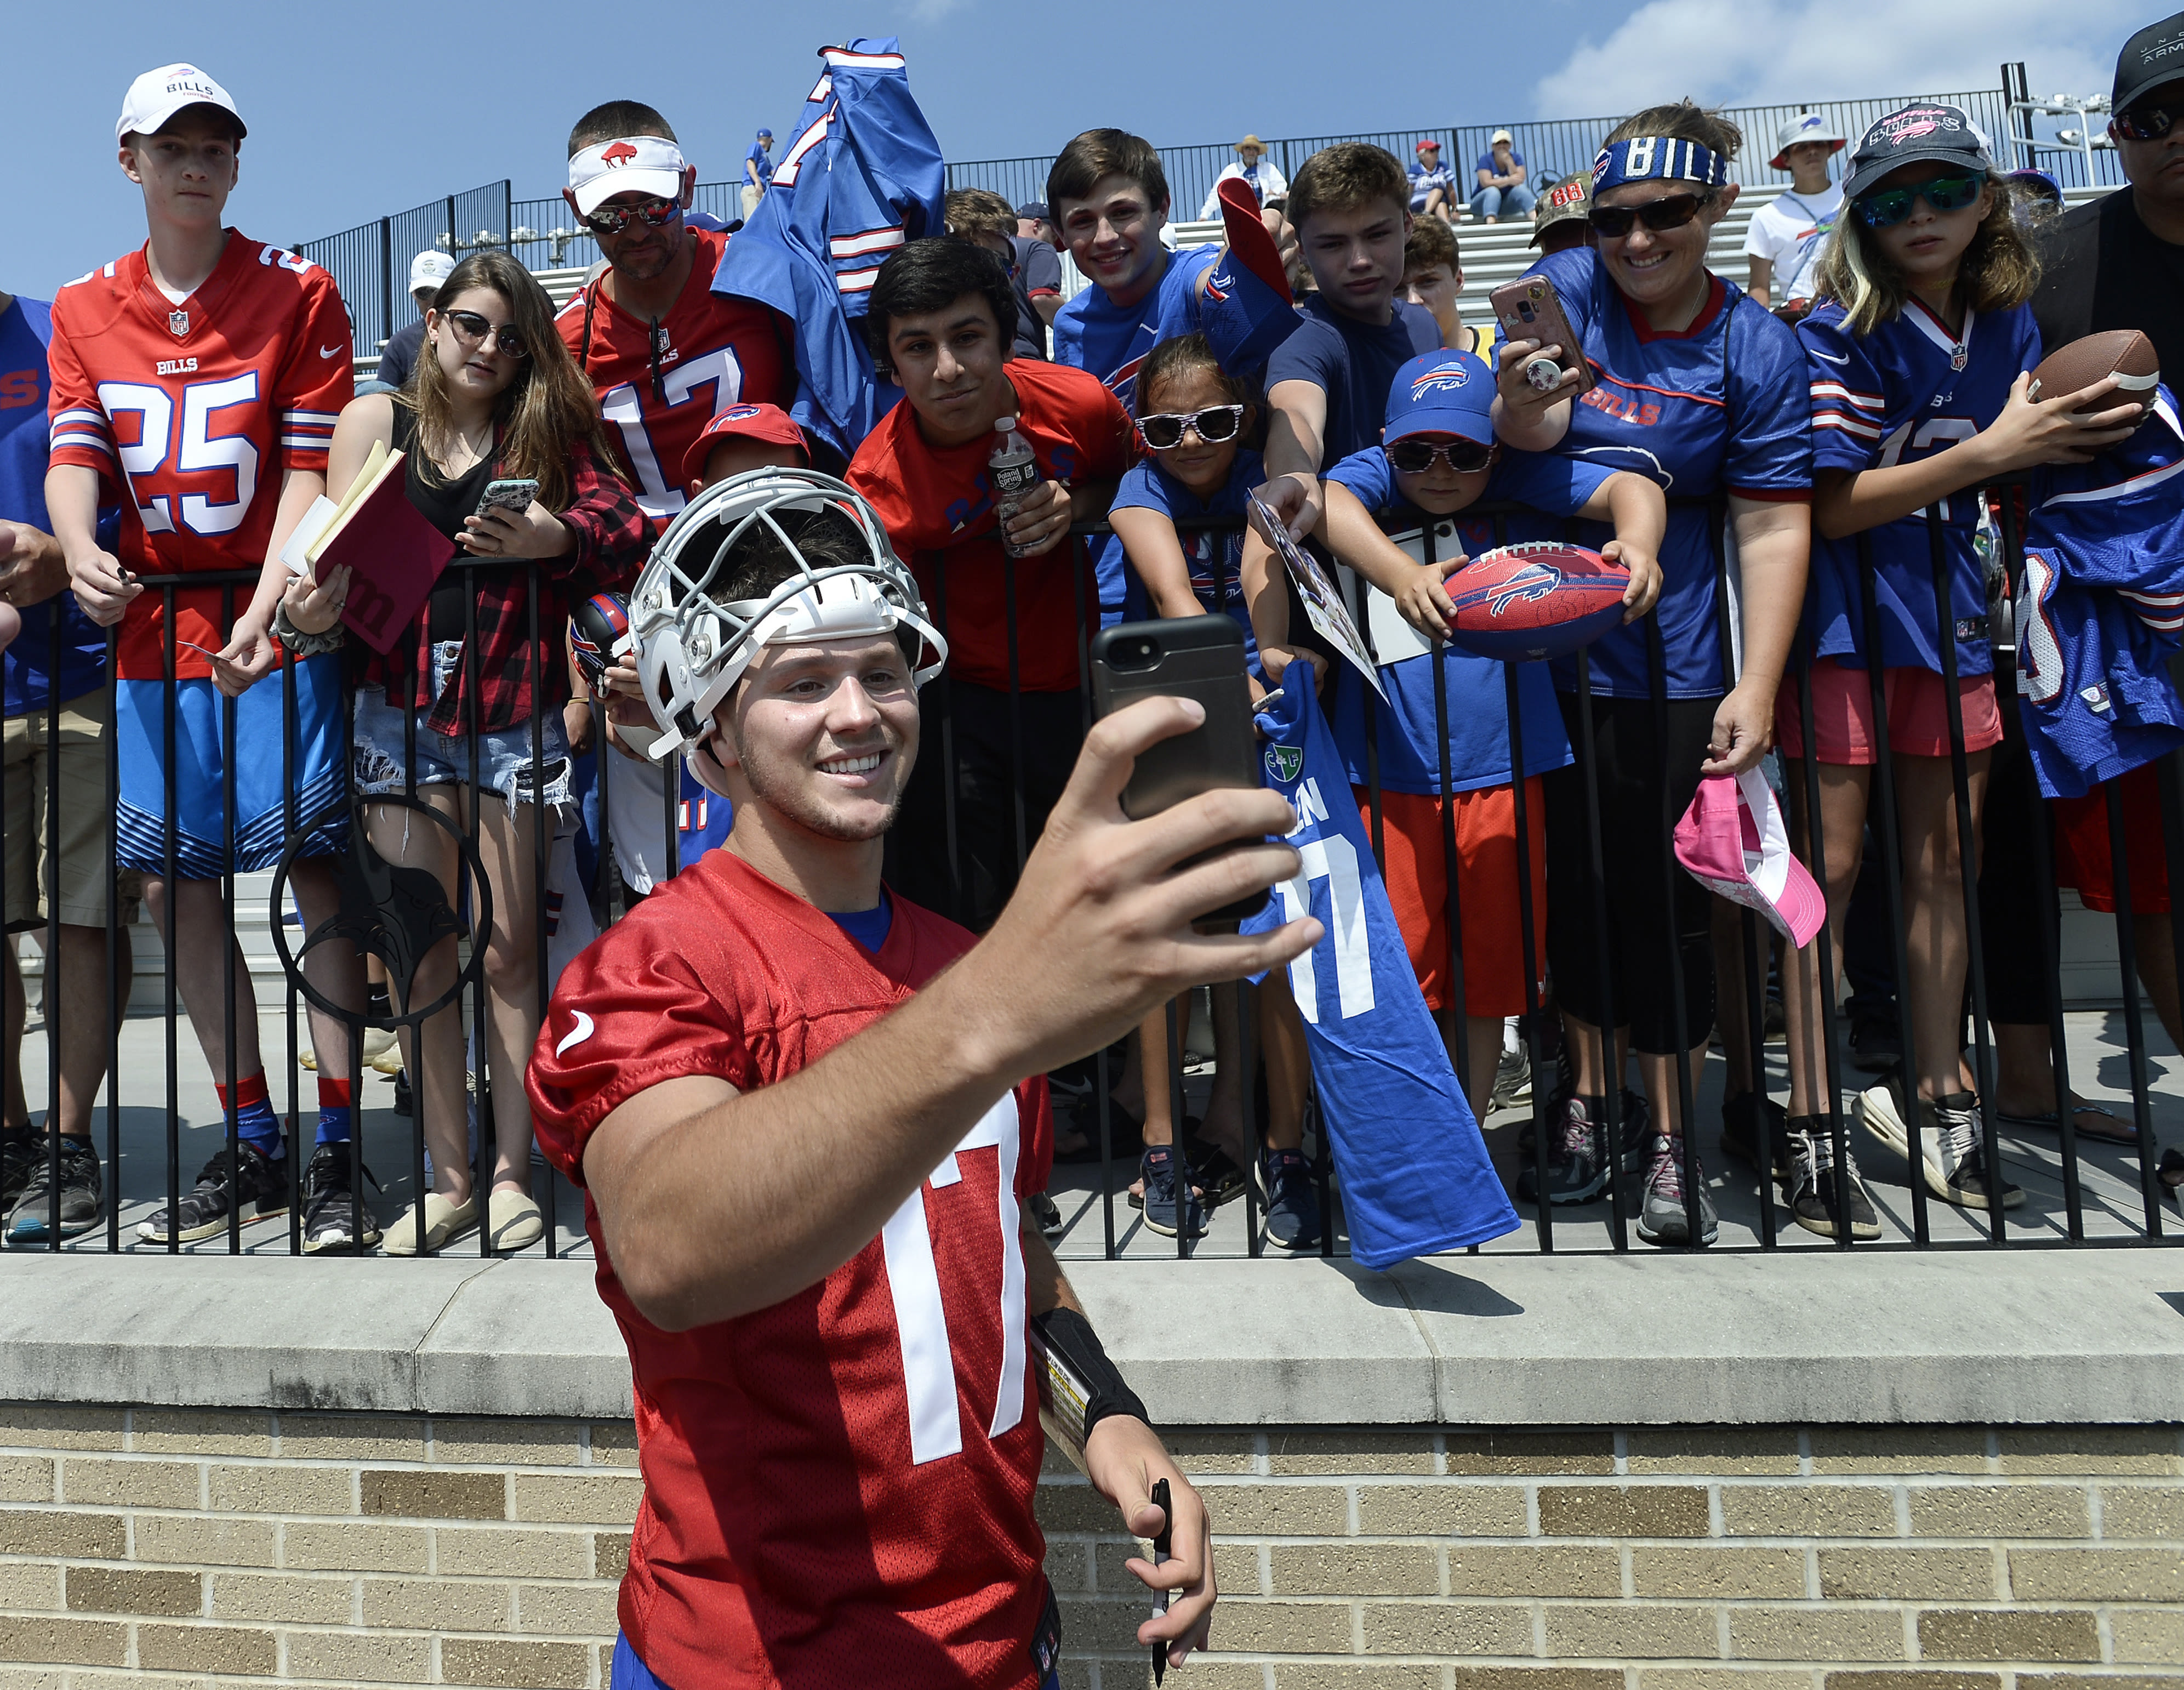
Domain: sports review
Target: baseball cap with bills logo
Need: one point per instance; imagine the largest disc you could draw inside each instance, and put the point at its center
(156, 96)
(635, 163)
(1929, 130)
(1442, 393)
(1732, 841)
(766, 422)
(1809, 126)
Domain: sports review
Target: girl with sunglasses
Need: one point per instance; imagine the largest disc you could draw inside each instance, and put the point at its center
(496, 396)
(1699, 389)
(1917, 361)
(1194, 420)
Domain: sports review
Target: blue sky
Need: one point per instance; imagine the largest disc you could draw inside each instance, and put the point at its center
(358, 111)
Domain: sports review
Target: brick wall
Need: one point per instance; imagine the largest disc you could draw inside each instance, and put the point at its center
(153, 1548)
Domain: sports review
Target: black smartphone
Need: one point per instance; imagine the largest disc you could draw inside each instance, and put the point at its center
(1195, 657)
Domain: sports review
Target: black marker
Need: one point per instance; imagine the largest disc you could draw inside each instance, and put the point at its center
(1162, 1541)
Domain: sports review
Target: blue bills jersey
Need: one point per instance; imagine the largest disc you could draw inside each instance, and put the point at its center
(2101, 611)
(863, 177)
(1414, 1172)
(1908, 391)
(1718, 408)
(1111, 341)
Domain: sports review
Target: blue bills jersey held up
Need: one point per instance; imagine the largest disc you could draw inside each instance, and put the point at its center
(1909, 390)
(1414, 1171)
(2101, 611)
(863, 177)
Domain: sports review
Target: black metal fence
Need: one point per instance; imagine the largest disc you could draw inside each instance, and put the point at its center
(372, 919)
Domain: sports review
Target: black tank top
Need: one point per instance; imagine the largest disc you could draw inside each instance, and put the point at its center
(445, 506)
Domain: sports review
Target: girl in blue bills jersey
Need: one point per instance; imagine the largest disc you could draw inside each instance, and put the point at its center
(1699, 389)
(1918, 364)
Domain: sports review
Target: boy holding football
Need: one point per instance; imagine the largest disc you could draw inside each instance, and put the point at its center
(1438, 457)
(198, 379)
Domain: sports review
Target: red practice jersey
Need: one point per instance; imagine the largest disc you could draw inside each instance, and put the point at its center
(716, 351)
(191, 412)
(838, 1490)
(937, 507)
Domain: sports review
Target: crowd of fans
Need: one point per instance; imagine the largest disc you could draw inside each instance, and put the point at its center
(1801, 410)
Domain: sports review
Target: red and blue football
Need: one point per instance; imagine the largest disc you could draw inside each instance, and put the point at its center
(1534, 600)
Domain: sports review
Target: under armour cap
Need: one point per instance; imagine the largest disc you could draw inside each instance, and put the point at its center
(2154, 56)
(429, 269)
(635, 163)
(1928, 130)
(1810, 126)
(156, 96)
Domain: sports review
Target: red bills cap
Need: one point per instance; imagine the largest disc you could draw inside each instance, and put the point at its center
(158, 95)
(766, 422)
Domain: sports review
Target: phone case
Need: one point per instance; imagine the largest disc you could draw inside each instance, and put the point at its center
(1197, 657)
(1529, 309)
(500, 495)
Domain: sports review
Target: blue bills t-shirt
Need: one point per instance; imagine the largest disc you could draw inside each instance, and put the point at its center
(1718, 408)
(1406, 733)
(1354, 364)
(1214, 558)
(25, 329)
(1093, 333)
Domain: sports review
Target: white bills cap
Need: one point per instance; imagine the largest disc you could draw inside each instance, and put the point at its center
(158, 95)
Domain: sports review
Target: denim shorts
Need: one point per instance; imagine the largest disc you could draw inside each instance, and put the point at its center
(503, 758)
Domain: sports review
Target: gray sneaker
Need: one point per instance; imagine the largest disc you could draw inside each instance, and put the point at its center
(1513, 1080)
(1952, 1150)
(1811, 1189)
(81, 1199)
(1661, 1217)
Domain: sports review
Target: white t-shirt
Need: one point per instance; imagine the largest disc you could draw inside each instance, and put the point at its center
(1790, 232)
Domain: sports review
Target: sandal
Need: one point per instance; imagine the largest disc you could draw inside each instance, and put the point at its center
(2049, 1121)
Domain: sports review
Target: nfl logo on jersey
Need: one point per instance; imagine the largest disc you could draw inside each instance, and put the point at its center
(178, 321)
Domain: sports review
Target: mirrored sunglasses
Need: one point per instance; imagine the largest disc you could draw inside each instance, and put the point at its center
(612, 220)
(1885, 209)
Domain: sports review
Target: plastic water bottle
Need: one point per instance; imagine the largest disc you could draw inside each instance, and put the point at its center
(1014, 473)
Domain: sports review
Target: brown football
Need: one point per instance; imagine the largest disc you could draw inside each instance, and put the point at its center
(2124, 353)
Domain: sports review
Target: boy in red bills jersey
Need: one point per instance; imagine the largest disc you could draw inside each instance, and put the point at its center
(197, 380)
(805, 1113)
(665, 354)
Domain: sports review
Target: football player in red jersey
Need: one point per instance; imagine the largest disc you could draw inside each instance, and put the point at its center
(664, 352)
(197, 379)
(805, 1113)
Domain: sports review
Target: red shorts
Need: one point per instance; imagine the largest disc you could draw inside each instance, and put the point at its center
(1486, 885)
(2081, 846)
(1917, 713)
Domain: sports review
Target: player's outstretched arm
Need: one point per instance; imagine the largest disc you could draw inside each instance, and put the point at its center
(714, 1203)
(1353, 536)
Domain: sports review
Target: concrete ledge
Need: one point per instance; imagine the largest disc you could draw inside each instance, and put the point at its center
(1803, 1337)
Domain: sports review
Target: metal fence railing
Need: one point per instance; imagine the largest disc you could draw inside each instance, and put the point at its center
(2099, 1194)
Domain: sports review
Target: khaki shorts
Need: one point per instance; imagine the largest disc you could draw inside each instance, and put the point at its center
(85, 806)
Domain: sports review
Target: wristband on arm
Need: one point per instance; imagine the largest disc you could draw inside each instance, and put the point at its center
(1079, 1386)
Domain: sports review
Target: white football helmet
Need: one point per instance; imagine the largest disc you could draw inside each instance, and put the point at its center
(693, 646)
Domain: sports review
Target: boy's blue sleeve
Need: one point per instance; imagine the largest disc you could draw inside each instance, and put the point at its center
(1366, 474)
(1069, 333)
(1313, 353)
(1548, 481)
(1771, 442)
(1140, 489)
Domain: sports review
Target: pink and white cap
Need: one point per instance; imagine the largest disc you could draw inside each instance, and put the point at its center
(158, 95)
(634, 164)
(1733, 842)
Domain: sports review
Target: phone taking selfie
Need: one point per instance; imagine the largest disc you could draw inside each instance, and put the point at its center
(1192, 657)
(1529, 309)
(513, 494)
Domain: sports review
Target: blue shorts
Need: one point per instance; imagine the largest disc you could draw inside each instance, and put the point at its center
(312, 770)
(503, 760)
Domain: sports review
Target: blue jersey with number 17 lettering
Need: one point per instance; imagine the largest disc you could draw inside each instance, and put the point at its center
(1415, 1176)
(1910, 390)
